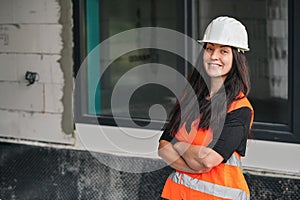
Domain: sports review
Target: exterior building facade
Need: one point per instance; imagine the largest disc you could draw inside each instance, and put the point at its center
(86, 86)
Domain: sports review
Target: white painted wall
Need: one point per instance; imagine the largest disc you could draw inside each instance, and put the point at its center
(31, 40)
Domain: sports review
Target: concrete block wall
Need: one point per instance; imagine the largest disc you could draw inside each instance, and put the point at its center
(33, 38)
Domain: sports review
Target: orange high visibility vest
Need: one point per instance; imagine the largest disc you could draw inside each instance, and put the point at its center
(225, 181)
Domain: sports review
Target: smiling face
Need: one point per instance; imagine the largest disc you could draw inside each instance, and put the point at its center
(217, 60)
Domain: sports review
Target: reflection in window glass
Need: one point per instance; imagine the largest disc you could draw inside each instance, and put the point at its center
(143, 96)
(116, 16)
(267, 25)
(265, 20)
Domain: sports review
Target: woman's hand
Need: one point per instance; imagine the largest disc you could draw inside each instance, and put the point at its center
(199, 158)
(167, 152)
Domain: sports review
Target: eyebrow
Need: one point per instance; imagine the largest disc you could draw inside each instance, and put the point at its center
(220, 46)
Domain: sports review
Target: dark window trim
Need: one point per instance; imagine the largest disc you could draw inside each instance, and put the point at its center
(261, 131)
(296, 68)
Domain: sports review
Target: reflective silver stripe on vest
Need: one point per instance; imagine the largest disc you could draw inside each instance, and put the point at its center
(234, 161)
(209, 188)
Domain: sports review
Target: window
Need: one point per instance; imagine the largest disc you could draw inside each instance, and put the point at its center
(107, 18)
(116, 16)
(268, 59)
(272, 58)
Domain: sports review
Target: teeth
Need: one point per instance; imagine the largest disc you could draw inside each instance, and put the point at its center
(214, 65)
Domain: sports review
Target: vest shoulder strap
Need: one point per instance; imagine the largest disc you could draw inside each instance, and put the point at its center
(242, 102)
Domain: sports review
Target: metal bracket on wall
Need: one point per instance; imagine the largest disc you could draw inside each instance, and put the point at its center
(31, 77)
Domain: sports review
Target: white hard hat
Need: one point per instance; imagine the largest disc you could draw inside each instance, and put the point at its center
(227, 31)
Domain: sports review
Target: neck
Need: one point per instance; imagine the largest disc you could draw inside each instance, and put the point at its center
(215, 84)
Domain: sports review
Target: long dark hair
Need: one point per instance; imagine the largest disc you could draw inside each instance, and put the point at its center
(237, 81)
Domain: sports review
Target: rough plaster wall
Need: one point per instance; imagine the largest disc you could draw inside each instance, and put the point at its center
(35, 35)
(66, 63)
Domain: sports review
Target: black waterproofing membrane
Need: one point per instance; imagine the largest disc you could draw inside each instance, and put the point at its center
(32, 172)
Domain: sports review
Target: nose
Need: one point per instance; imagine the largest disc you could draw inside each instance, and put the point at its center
(214, 55)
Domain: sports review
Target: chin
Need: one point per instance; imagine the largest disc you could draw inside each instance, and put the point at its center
(214, 74)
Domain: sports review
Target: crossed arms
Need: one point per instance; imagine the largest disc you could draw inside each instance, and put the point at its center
(189, 158)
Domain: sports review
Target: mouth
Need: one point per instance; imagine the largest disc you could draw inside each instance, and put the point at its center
(214, 65)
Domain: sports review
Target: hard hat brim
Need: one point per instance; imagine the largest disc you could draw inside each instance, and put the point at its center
(229, 44)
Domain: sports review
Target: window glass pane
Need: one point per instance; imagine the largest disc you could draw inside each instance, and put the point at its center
(144, 96)
(116, 16)
(267, 25)
(265, 20)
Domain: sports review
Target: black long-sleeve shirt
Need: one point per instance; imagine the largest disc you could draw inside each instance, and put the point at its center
(233, 136)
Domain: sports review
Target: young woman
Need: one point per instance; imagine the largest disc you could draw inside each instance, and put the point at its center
(204, 145)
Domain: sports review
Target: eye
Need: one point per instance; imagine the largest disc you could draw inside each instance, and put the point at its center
(224, 51)
(209, 49)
